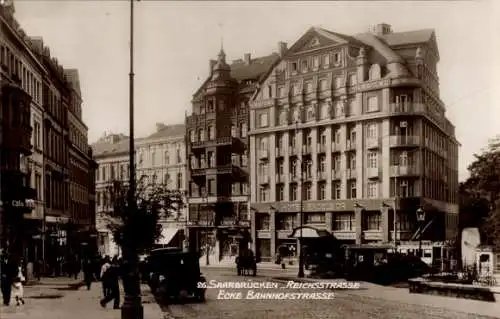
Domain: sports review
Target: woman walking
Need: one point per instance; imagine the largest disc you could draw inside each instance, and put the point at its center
(17, 286)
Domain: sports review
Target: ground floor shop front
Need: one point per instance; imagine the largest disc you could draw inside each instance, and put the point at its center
(221, 243)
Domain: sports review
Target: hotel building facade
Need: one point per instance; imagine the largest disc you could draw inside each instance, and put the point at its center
(345, 129)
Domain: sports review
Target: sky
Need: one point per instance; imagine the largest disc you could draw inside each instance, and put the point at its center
(175, 40)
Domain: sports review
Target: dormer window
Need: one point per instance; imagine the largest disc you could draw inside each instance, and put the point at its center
(293, 66)
(281, 92)
(304, 65)
(210, 106)
(326, 60)
(336, 58)
(316, 62)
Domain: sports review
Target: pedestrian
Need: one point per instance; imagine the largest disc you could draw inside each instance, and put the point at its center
(88, 273)
(103, 276)
(112, 276)
(6, 278)
(17, 286)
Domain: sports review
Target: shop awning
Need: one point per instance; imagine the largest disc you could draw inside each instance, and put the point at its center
(167, 234)
(309, 232)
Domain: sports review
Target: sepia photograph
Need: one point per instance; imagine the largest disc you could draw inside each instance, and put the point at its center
(168, 159)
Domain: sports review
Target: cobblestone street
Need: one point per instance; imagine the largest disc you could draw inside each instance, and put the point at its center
(347, 304)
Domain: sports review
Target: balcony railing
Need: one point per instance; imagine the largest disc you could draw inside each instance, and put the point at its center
(336, 174)
(404, 140)
(351, 173)
(264, 179)
(405, 170)
(321, 148)
(294, 150)
(321, 175)
(350, 145)
(372, 172)
(336, 147)
(372, 143)
(263, 154)
(280, 178)
(407, 108)
(280, 152)
(306, 149)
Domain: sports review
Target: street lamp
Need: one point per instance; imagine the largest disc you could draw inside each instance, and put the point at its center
(302, 168)
(132, 304)
(421, 219)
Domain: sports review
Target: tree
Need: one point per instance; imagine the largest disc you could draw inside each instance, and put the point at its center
(481, 191)
(140, 229)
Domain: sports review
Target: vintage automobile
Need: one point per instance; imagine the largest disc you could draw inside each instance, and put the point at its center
(246, 263)
(175, 274)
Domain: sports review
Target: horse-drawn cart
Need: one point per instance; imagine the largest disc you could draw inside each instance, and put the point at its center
(246, 263)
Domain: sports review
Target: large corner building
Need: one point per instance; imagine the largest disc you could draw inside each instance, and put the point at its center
(343, 130)
(217, 153)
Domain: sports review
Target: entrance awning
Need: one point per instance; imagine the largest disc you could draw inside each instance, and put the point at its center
(167, 234)
(309, 232)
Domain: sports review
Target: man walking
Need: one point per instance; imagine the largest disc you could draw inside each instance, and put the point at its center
(112, 275)
(88, 273)
(7, 278)
(103, 276)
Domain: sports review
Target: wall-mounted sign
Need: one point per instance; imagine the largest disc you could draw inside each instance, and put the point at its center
(19, 203)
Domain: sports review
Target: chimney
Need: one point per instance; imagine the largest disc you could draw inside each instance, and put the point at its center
(211, 65)
(247, 57)
(381, 29)
(160, 126)
(282, 48)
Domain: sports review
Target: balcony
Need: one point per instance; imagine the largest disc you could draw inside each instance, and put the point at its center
(280, 152)
(407, 108)
(294, 150)
(336, 147)
(372, 143)
(198, 171)
(351, 173)
(321, 175)
(404, 170)
(350, 145)
(404, 140)
(321, 148)
(263, 154)
(266, 179)
(280, 178)
(336, 174)
(219, 141)
(306, 149)
(198, 144)
(372, 172)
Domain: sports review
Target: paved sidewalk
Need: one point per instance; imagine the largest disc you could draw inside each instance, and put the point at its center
(55, 298)
(402, 295)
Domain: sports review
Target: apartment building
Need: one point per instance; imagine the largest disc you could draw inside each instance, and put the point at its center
(217, 152)
(160, 158)
(52, 95)
(347, 128)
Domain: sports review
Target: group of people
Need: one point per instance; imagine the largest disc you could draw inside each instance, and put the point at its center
(11, 279)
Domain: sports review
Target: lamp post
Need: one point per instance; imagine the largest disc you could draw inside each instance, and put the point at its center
(207, 246)
(420, 218)
(301, 254)
(132, 305)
